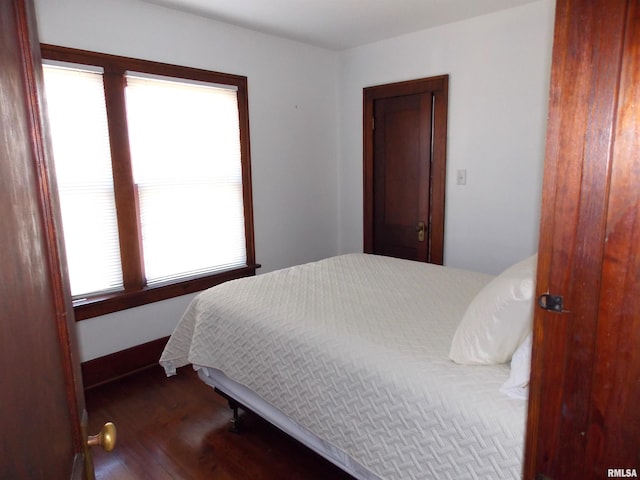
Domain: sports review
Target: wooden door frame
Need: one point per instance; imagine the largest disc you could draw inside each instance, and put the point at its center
(582, 410)
(439, 86)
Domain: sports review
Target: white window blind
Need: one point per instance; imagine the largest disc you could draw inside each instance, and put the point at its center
(185, 152)
(82, 158)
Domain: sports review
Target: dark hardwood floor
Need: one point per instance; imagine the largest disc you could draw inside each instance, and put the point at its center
(177, 428)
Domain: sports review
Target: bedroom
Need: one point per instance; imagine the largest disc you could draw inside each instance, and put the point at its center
(306, 145)
(345, 237)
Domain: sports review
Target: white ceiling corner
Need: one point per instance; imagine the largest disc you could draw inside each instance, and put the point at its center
(338, 24)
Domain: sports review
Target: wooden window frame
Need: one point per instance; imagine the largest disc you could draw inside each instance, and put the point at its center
(136, 292)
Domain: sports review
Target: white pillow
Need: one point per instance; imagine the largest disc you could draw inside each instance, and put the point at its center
(517, 385)
(498, 319)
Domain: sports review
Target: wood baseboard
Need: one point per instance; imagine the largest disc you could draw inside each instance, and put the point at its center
(120, 364)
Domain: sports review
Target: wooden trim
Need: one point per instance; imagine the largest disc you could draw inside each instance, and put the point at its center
(438, 173)
(247, 187)
(115, 63)
(124, 187)
(114, 302)
(367, 148)
(79, 468)
(120, 364)
(87, 467)
(408, 87)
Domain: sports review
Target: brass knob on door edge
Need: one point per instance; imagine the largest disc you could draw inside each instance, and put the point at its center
(106, 438)
(421, 228)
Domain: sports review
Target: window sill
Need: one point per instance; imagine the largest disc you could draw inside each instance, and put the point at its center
(114, 302)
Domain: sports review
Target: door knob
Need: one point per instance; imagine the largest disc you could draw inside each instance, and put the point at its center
(420, 228)
(106, 438)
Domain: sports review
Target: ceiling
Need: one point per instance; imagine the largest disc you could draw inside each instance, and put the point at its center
(338, 24)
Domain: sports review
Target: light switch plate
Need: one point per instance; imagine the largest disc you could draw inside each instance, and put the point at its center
(461, 177)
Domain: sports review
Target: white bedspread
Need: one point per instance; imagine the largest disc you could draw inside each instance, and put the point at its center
(354, 348)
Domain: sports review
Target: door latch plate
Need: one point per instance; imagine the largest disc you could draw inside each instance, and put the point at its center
(553, 303)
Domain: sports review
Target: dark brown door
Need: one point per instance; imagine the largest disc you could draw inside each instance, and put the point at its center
(584, 414)
(405, 136)
(401, 176)
(41, 395)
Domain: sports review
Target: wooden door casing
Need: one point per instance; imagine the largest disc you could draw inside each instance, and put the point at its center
(583, 416)
(42, 399)
(406, 101)
(613, 428)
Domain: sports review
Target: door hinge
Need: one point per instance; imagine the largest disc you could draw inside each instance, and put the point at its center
(553, 303)
(373, 123)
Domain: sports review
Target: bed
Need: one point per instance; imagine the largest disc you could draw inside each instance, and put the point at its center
(352, 356)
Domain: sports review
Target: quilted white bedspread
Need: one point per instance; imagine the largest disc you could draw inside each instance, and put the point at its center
(354, 348)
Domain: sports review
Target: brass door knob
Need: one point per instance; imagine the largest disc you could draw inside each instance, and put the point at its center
(106, 438)
(420, 228)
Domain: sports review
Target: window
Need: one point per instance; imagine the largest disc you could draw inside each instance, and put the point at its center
(153, 173)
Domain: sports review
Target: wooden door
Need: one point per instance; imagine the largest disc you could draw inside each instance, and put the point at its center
(404, 146)
(41, 390)
(584, 415)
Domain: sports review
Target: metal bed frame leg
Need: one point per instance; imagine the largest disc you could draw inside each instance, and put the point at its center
(236, 420)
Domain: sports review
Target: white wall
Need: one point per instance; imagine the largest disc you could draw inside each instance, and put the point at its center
(293, 117)
(499, 68)
(305, 109)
